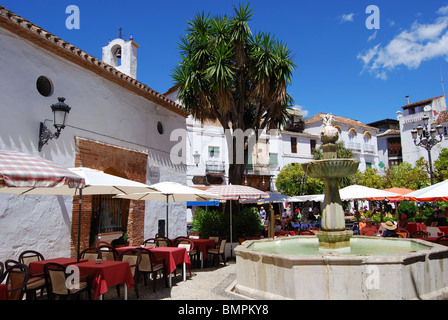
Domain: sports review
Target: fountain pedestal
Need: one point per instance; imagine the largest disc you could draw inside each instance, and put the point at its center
(331, 169)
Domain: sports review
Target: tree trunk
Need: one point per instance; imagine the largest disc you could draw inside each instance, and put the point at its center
(236, 172)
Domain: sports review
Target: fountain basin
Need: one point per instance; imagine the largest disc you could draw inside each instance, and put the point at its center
(371, 268)
(331, 168)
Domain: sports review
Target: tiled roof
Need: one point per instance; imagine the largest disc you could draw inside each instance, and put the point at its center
(420, 103)
(342, 120)
(389, 132)
(46, 40)
(443, 117)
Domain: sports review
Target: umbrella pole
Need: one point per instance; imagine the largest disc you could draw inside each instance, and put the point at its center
(167, 215)
(231, 231)
(79, 225)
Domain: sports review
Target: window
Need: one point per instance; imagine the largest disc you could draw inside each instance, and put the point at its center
(312, 145)
(109, 214)
(368, 165)
(273, 159)
(249, 165)
(293, 145)
(394, 162)
(160, 128)
(213, 152)
(44, 86)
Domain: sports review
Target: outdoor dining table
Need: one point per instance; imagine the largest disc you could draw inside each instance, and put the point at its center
(202, 245)
(37, 267)
(173, 256)
(4, 294)
(106, 274)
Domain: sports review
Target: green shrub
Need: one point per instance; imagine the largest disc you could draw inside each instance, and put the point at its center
(207, 222)
(247, 223)
(212, 222)
(408, 208)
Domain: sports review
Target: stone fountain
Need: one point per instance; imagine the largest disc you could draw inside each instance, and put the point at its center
(334, 264)
(330, 170)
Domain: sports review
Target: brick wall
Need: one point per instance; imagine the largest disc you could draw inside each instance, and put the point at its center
(114, 160)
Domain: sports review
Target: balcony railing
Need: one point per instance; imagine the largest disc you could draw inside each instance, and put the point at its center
(295, 126)
(354, 146)
(215, 167)
(369, 148)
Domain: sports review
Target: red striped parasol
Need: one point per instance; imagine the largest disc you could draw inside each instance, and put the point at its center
(21, 170)
(237, 192)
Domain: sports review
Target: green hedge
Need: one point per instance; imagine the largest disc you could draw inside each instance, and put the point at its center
(212, 222)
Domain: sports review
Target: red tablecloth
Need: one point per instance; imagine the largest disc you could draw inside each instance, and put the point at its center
(203, 244)
(4, 294)
(106, 274)
(37, 267)
(172, 255)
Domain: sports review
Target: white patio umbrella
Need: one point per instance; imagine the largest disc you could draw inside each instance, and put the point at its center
(95, 182)
(355, 192)
(236, 192)
(436, 192)
(273, 197)
(305, 198)
(171, 192)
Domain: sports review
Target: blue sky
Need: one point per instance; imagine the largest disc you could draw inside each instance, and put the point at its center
(343, 67)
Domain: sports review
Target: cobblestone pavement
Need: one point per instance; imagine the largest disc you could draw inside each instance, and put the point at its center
(210, 283)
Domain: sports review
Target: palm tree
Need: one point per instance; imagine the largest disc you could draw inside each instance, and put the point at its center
(239, 78)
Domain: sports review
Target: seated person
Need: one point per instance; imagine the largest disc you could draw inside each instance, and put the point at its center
(362, 223)
(403, 221)
(278, 225)
(369, 229)
(390, 228)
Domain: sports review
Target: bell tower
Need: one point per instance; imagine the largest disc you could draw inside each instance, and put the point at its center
(122, 55)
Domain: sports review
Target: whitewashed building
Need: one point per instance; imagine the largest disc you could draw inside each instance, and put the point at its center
(411, 116)
(356, 136)
(389, 143)
(116, 124)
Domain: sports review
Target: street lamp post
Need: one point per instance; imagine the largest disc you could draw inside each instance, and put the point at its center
(426, 137)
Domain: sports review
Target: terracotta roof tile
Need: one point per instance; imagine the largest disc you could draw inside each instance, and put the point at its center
(342, 120)
(419, 103)
(442, 118)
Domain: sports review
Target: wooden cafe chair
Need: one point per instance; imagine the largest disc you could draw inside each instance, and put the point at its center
(36, 281)
(16, 277)
(134, 257)
(56, 281)
(149, 264)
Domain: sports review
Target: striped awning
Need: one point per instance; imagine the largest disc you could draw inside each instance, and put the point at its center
(237, 192)
(21, 170)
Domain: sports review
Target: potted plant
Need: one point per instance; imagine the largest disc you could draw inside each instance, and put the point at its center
(121, 242)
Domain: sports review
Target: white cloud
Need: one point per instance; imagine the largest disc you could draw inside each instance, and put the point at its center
(350, 17)
(300, 110)
(421, 42)
(443, 10)
(373, 36)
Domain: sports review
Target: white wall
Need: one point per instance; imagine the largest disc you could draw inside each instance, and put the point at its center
(101, 111)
